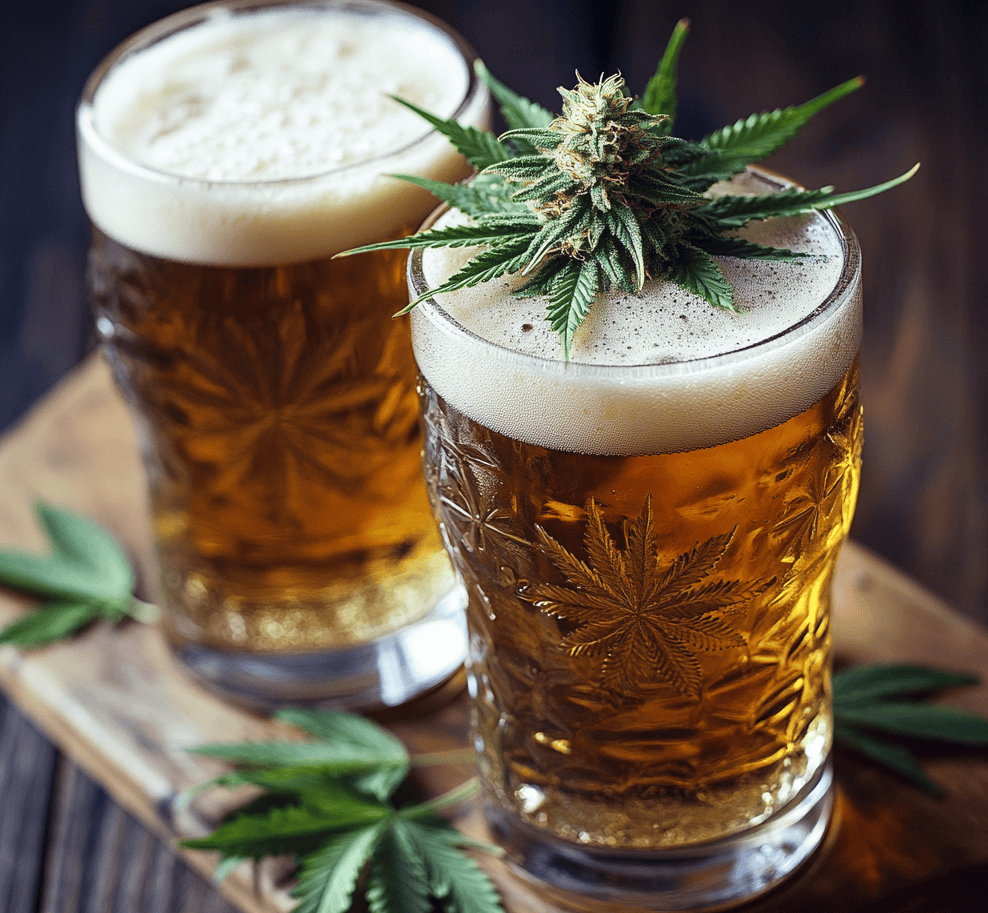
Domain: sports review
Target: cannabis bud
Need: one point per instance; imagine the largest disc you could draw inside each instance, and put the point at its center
(597, 142)
(604, 197)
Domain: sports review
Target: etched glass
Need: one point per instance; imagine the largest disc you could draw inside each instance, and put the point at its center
(274, 396)
(650, 643)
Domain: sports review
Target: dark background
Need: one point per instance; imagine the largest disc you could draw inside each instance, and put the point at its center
(923, 498)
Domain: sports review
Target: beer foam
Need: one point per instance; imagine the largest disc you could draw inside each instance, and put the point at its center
(265, 136)
(658, 372)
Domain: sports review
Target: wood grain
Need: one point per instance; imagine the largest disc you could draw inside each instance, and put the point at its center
(28, 761)
(116, 704)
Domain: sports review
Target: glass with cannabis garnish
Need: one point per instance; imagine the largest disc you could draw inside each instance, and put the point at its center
(646, 511)
(647, 535)
(226, 154)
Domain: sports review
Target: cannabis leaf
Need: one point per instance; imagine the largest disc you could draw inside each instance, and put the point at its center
(873, 715)
(327, 802)
(478, 147)
(604, 197)
(646, 618)
(346, 746)
(85, 578)
(755, 138)
(519, 113)
(660, 93)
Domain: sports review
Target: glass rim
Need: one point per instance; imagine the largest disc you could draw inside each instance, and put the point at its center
(846, 286)
(181, 20)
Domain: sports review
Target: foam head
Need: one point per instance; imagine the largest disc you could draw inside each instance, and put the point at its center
(659, 372)
(264, 135)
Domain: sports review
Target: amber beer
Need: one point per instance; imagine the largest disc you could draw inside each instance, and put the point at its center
(284, 450)
(274, 395)
(648, 548)
(686, 660)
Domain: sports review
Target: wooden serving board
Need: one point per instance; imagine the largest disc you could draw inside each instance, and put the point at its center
(113, 700)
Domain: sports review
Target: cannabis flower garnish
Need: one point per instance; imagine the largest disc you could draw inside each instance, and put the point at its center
(604, 197)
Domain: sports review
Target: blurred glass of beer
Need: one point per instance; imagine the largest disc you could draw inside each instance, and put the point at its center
(647, 535)
(226, 154)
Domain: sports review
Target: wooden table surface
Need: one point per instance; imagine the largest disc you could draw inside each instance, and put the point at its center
(87, 782)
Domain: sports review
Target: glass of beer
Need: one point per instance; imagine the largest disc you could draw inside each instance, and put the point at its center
(647, 535)
(227, 153)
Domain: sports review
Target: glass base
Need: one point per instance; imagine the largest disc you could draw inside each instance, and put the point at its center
(382, 673)
(710, 876)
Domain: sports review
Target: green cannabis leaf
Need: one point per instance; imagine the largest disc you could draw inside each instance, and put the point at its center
(85, 578)
(873, 713)
(327, 802)
(604, 197)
